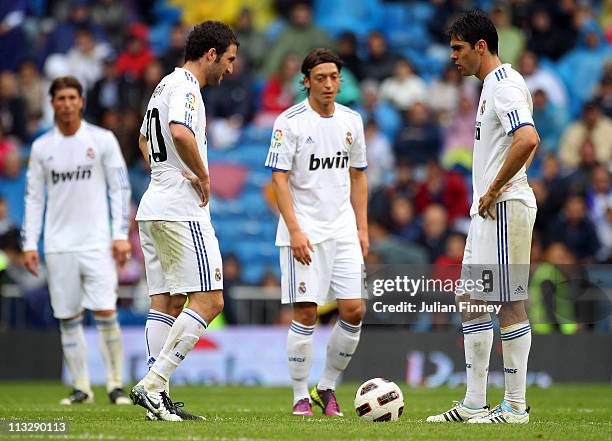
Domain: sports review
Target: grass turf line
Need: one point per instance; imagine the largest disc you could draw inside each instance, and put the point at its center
(576, 412)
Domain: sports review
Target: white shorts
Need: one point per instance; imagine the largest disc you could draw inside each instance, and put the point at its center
(334, 273)
(501, 246)
(81, 280)
(180, 257)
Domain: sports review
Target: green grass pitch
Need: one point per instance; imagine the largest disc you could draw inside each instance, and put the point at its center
(572, 412)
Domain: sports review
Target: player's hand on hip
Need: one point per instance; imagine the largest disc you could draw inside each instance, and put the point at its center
(364, 242)
(486, 203)
(31, 261)
(301, 248)
(122, 251)
(201, 186)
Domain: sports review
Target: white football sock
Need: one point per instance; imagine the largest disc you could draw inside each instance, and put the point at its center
(157, 329)
(516, 342)
(75, 352)
(342, 343)
(112, 350)
(477, 342)
(299, 356)
(184, 334)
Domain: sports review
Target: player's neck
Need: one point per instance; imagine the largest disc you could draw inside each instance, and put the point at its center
(192, 68)
(320, 108)
(69, 128)
(488, 65)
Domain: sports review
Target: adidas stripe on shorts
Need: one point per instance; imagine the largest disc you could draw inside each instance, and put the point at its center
(502, 245)
(181, 256)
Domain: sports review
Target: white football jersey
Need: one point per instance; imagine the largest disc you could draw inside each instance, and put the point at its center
(505, 105)
(318, 152)
(80, 173)
(176, 99)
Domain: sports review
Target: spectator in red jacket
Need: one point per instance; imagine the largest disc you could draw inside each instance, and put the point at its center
(137, 55)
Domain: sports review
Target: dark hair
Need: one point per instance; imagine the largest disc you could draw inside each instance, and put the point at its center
(207, 35)
(65, 83)
(473, 26)
(320, 56)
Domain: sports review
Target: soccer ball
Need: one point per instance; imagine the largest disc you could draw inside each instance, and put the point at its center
(379, 400)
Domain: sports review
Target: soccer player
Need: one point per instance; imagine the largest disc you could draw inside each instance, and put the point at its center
(181, 251)
(503, 213)
(318, 161)
(80, 167)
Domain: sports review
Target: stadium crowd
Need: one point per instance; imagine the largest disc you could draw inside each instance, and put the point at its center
(418, 110)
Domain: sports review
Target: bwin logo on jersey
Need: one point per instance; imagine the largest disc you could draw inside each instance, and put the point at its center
(80, 174)
(339, 161)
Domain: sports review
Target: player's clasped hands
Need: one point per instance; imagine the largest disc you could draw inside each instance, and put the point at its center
(301, 248)
(201, 186)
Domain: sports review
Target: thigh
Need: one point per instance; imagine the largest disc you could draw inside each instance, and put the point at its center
(305, 283)
(156, 281)
(99, 275)
(347, 269)
(64, 284)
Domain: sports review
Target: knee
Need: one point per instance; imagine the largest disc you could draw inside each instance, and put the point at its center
(305, 315)
(353, 314)
(175, 306)
(217, 305)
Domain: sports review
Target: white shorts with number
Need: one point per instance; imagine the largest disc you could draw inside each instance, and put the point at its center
(334, 273)
(81, 280)
(501, 246)
(181, 257)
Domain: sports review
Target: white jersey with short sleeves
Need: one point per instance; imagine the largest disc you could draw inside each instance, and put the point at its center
(80, 173)
(176, 99)
(505, 105)
(318, 152)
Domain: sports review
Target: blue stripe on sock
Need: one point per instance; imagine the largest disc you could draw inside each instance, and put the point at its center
(516, 331)
(301, 331)
(159, 314)
(71, 325)
(160, 319)
(486, 325)
(194, 315)
(505, 338)
(348, 327)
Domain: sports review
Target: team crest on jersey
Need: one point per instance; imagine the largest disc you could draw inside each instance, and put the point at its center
(302, 288)
(91, 153)
(277, 138)
(482, 107)
(217, 274)
(349, 138)
(190, 100)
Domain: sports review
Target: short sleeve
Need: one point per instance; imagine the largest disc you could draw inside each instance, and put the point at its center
(182, 105)
(282, 146)
(357, 151)
(512, 107)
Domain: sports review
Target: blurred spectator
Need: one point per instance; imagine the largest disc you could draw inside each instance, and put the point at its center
(576, 230)
(137, 54)
(443, 187)
(12, 36)
(550, 119)
(381, 161)
(392, 249)
(444, 92)
(110, 92)
(404, 185)
(551, 303)
(592, 126)
(300, 37)
(86, 58)
(580, 179)
(32, 88)
(511, 38)
(599, 193)
(444, 12)
(604, 232)
(232, 276)
(112, 17)
(252, 42)
(174, 56)
(151, 77)
(6, 223)
(419, 139)
(231, 104)
(459, 135)
(277, 95)
(404, 88)
(403, 219)
(435, 231)
(453, 251)
(347, 51)
(127, 132)
(12, 108)
(604, 91)
(8, 147)
(12, 185)
(538, 78)
(371, 107)
(550, 191)
(379, 63)
(549, 38)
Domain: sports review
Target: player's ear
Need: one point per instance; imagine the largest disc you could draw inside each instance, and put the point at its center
(481, 46)
(211, 55)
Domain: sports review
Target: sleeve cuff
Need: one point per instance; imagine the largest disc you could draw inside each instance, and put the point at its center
(519, 126)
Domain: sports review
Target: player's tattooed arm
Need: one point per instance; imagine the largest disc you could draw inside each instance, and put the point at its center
(525, 140)
(300, 244)
(359, 201)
